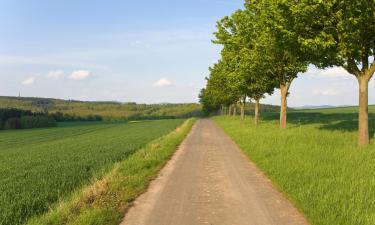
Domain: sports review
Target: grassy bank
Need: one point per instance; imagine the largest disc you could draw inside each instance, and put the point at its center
(315, 162)
(42, 166)
(105, 201)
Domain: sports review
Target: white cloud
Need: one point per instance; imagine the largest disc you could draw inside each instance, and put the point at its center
(329, 92)
(56, 74)
(163, 82)
(372, 83)
(79, 75)
(69, 59)
(336, 73)
(29, 81)
(136, 43)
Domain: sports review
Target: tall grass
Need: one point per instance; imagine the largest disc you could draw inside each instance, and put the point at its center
(42, 166)
(315, 162)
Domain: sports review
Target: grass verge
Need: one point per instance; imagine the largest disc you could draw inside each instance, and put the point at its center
(107, 199)
(321, 170)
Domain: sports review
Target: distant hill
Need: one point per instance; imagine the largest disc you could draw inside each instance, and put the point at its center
(339, 110)
(314, 107)
(107, 110)
(319, 107)
(264, 108)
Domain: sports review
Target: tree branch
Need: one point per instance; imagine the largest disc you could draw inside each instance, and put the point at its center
(365, 62)
(353, 68)
(371, 71)
(373, 47)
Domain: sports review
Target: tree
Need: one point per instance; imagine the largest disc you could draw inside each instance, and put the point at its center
(277, 50)
(220, 89)
(257, 82)
(207, 102)
(226, 34)
(238, 35)
(338, 33)
(258, 87)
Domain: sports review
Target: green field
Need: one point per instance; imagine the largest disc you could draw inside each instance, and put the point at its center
(43, 166)
(106, 200)
(315, 162)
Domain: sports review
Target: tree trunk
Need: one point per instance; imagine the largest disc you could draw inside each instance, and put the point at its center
(256, 114)
(222, 110)
(363, 131)
(229, 110)
(242, 110)
(284, 89)
(235, 110)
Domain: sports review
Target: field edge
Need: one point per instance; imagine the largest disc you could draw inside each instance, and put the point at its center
(321, 171)
(106, 200)
(273, 181)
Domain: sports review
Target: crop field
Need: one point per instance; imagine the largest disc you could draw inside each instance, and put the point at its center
(42, 166)
(315, 162)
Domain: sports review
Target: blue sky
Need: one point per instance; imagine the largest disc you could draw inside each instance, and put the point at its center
(142, 51)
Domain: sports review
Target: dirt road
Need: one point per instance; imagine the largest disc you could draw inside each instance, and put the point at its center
(210, 181)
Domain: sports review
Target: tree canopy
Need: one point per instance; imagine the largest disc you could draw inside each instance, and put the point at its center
(268, 43)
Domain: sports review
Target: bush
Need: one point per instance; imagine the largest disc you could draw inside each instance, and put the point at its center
(6, 114)
(61, 117)
(28, 122)
(13, 123)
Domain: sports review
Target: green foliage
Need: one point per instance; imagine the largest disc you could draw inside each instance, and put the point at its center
(256, 57)
(6, 114)
(61, 117)
(208, 102)
(334, 33)
(221, 86)
(40, 167)
(269, 42)
(315, 162)
(12, 124)
(106, 200)
(264, 108)
(24, 119)
(28, 122)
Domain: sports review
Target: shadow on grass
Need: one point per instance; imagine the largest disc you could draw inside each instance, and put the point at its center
(327, 121)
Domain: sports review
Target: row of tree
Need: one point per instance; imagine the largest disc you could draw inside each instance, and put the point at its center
(269, 43)
(24, 119)
(65, 117)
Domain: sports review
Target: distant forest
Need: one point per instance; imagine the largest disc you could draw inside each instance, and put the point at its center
(71, 110)
(24, 119)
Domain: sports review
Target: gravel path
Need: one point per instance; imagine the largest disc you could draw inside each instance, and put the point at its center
(210, 181)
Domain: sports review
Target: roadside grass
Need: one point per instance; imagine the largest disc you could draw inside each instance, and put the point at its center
(40, 167)
(105, 201)
(316, 164)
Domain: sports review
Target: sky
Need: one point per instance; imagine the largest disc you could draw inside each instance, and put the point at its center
(131, 51)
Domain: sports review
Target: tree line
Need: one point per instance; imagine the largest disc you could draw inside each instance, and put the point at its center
(70, 110)
(11, 118)
(24, 119)
(269, 43)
